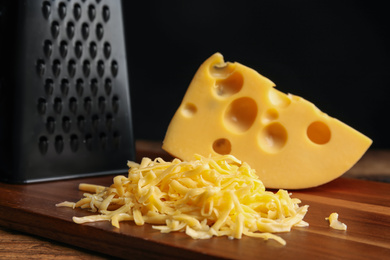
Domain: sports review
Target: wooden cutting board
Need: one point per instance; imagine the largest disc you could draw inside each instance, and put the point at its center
(363, 205)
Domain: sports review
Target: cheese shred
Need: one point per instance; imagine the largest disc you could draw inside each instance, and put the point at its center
(206, 197)
(335, 223)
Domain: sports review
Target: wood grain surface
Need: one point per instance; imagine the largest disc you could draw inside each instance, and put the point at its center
(19, 245)
(363, 205)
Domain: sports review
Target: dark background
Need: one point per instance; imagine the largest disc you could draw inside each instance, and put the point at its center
(332, 53)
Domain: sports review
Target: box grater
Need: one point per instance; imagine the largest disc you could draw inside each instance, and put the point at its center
(64, 90)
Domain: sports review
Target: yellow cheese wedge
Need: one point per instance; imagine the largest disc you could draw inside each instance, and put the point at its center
(231, 109)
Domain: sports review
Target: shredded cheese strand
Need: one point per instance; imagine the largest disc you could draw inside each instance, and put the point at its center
(335, 223)
(206, 197)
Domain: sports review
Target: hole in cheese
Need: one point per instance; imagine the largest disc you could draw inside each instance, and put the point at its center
(270, 115)
(241, 114)
(273, 137)
(319, 133)
(222, 146)
(221, 70)
(278, 98)
(189, 110)
(229, 86)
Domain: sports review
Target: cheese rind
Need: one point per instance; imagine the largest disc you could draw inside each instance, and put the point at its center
(231, 109)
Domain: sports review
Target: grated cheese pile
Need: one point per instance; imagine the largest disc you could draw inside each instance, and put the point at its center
(206, 197)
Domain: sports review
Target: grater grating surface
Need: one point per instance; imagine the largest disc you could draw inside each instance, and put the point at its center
(67, 91)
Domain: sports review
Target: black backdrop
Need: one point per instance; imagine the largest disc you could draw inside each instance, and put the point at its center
(333, 53)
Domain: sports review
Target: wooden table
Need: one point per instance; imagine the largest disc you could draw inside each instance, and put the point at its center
(32, 227)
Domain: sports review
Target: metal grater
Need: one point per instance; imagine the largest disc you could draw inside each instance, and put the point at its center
(64, 93)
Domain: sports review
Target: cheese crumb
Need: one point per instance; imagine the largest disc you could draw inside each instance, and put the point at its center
(206, 197)
(335, 223)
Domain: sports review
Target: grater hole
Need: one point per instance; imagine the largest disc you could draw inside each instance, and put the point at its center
(73, 105)
(57, 105)
(42, 106)
(88, 141)
(56, 67)
(70, 29)
(80, 87)
(41, 67)
(50, 124)
(99, 31)
(115, 104)
(46, 9)
(91, 12)
(102, 104)
(72, 68)
(93, 49)
(106, 13)
(103, 140)
(109, 121)
(63, 49)
(65, 87)
(86, 68)
(49, 86)
(100, 68)
(95, 121)
(117, 139)
(108, 86)
(55, 29)
(47, 48)
(66, 124)
(114, 68)
(81, 123)
(107, 50)
(43, 144)
(62, 10)
(59, 144)
(88, 104)
(77, 11)
(78, 49)
(85, 30)
(74, 143)
(94, 86)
